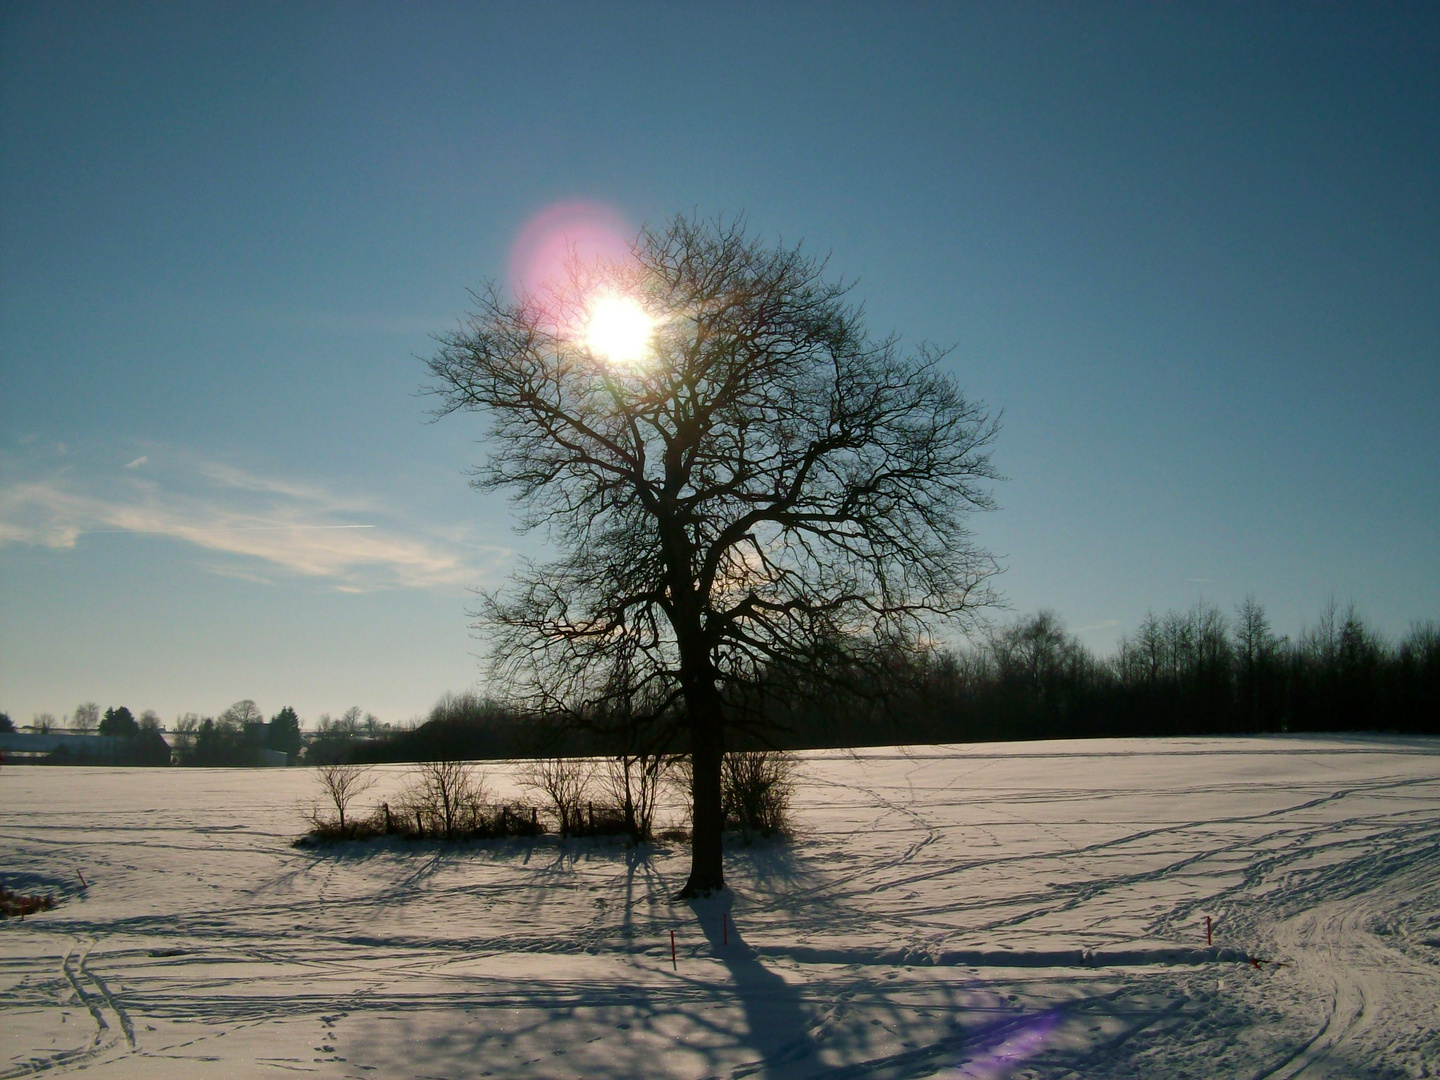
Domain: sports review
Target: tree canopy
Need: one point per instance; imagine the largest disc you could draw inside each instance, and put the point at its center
(744, 487)
(119, 721)
(284, 733)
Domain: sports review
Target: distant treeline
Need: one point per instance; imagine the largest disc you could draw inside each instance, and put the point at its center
(1197, 672)
(241, 736)
(468, 727)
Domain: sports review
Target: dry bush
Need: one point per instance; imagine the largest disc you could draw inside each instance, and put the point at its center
(16, 904)
(632, 784)
(565, 782)
(447, 795)
(445, 800)
(342, 785)
(756, 788)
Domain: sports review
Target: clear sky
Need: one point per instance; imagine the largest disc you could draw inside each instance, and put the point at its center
(1192, 251)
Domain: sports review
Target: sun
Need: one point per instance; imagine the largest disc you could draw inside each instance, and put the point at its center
(619, 329)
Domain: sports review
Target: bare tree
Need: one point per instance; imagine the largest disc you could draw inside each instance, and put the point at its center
(451, 792)
(633, 782)
(86, 717)
(1255, 643)
(750, 491)
(565, 782)
(350, 721)
(758, 786)
(183, 737)
(343, 784)
(1032, 652)
(241, 714)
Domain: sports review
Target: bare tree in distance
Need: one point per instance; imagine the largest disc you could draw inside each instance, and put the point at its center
(242, 713)
(449, 791)
(86, 717)
(565, 782)
(756, 492)
(342, 785)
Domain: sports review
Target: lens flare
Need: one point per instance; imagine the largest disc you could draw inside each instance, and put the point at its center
(588, 230)
(619, 329)
(1003, 1058)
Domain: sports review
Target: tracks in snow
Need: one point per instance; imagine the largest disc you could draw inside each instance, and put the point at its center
(114, 1030)
(1341, 937)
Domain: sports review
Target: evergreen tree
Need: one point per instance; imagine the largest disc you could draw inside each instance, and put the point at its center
(284, 734)
(119, 722)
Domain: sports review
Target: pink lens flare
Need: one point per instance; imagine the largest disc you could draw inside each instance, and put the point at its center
(590, 230)
(998, 1060)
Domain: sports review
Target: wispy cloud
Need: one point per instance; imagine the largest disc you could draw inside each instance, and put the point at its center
(266, 525)
(1103, 624)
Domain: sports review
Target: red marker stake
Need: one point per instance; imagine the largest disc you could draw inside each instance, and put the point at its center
(81, 876)
(1208, 939)
(672, 951)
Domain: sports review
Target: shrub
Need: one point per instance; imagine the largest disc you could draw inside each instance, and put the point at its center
(13, 904)
(632, 784)
(565, 782)
(447, 794)
(756, 787)
(341, 784)
(445, 800)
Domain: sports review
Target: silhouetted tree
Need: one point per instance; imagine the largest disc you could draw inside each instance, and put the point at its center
(148, 746)
(119, 722)
(284, 733)
(183, 738)
(757, 487)
(337, 738)
(342, 785)
(6, 724)
(1417, 695)
(1259, 669)
(221, 741)
(243, 714)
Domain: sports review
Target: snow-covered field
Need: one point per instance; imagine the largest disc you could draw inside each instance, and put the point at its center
(1030, 910)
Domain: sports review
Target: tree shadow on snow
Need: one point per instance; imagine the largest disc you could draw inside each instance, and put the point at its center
(778, 1023)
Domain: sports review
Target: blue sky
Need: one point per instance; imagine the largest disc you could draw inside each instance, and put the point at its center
(1192, 251)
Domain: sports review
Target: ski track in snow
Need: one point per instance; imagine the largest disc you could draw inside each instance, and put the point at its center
(1019, 910)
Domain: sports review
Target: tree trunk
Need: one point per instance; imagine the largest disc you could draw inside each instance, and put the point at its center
(707, 746)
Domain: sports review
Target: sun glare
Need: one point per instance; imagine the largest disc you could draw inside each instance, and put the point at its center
(619, 330)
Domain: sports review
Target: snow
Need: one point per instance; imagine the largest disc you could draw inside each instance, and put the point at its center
(1029, 910)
